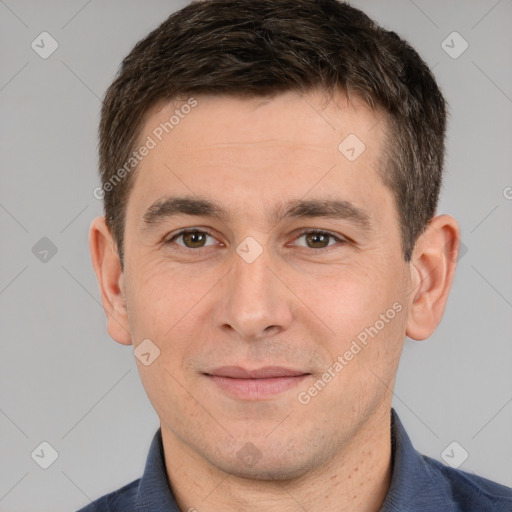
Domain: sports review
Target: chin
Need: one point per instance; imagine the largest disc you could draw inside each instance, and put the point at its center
(267, 473)
(276, 468)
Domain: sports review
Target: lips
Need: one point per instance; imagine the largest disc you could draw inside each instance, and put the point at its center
(258, 384)
(237, 372)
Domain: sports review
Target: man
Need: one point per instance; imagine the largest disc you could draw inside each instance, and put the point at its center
(270, 172)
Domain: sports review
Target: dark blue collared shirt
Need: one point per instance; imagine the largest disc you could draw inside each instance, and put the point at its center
(418, 484)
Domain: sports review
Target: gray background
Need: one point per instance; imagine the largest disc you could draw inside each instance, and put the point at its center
(64, 381)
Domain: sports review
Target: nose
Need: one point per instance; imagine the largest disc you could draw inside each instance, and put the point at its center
(255, 301)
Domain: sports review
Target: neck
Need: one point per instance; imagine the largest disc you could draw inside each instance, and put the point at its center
(356, 479)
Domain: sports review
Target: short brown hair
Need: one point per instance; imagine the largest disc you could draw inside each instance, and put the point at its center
(264, 47)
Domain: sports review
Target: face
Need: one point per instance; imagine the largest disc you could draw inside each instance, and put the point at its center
(280, 312)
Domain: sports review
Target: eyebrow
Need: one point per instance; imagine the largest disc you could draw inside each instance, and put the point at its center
(168, 207)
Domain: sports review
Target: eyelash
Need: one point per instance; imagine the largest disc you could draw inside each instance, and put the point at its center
(302, 233)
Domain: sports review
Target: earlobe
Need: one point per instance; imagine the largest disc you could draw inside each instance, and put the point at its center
(107, 267)
(433, 268)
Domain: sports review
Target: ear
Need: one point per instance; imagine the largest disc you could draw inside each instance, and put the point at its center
(107, 267)
(433, 267)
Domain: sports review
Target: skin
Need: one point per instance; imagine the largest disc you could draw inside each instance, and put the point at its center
(297, 305)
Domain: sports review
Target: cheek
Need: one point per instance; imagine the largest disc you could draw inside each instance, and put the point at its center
(365, 309)
(349, 298)
(341, 299)
(160, 295)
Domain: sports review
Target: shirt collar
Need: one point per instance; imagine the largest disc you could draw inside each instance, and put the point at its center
(154, 493)
(415, 485)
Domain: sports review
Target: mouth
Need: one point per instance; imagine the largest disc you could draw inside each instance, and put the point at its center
(257, 384)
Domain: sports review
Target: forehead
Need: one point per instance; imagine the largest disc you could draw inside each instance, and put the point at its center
(309, 119)
(250, 151)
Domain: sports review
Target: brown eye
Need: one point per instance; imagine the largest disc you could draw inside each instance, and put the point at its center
(192, 239)
(319, 239)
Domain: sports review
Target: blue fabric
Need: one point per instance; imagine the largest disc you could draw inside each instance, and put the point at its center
(418, 484)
